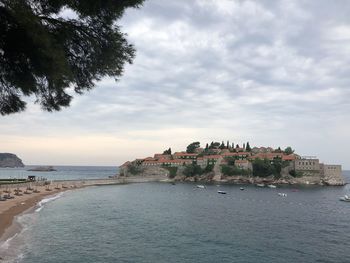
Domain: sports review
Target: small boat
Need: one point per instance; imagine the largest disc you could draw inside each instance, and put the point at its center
(222, 192)
(241, 188)
(345, 198)
(282, 194)
(260, 185)
(272, 186)
(200, 186)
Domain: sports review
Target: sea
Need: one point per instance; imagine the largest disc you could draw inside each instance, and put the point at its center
(162, 222)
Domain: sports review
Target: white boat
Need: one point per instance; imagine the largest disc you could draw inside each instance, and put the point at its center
(345, 198)
(282, 194)
(222, 192)
(260, 185)
(272, 186)
(200, 186)
(241, 188)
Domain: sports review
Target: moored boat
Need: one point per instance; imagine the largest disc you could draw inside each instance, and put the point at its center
(272, 186)
(345, 198)
(200, 186)
(222, 192)
(260, 185)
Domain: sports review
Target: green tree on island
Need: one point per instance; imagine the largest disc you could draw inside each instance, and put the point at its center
(214, 145)
(262, 168)
(191, 148)
(45, 54)
(192, 170)
(288, 150)
(168, 151)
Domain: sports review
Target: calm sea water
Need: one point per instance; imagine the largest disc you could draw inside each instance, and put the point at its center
(160, 222)
(62, 173)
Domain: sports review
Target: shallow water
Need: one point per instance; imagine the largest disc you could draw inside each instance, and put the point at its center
(159, 222)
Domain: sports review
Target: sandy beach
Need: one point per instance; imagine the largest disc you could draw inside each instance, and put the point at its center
(13, 207)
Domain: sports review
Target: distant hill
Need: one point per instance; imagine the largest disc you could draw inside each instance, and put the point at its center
(10, 160)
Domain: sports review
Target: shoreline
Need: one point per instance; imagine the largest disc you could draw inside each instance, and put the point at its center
(13, 208)
(20, 205)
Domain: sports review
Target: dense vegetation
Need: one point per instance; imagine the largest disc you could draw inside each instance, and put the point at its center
(264, 167)
(134, 169)
(46, 53)
(194, 169)
(172, 171)
(296, 173)
(230, 170)
(167, 151)
(191, 148)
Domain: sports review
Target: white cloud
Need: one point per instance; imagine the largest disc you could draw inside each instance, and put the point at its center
(272, 72)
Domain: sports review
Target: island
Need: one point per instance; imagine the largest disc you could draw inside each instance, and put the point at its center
(42, 169)
(10, 160)
(234, 163)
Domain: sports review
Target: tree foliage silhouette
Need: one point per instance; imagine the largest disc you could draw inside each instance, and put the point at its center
(51, 55)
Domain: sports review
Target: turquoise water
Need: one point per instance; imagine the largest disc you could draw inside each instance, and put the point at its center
(159, 222)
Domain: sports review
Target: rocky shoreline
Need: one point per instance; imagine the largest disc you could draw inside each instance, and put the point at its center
(217, 177)
(308, 180)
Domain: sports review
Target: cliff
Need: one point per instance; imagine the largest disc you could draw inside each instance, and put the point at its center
(10, 160)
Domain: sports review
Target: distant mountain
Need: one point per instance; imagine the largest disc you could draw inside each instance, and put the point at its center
(10, 160)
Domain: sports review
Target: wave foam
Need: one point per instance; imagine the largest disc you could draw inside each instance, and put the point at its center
(41, 204)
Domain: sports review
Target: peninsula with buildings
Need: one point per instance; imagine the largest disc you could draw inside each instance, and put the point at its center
(234, 163)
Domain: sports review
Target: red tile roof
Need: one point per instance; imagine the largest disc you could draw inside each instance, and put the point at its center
(185, 154)
(212, 156)
(290, 157)
(149, 159)
(268, 156)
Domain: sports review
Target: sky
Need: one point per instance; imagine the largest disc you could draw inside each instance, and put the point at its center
(274, 73)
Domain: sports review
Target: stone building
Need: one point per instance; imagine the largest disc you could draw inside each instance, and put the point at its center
(307, 164)
(326, 172)
(329, 170)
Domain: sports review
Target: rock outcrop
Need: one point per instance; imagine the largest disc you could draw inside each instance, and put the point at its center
(146, 172)
(334, 180)
(217, 176)
(10, 160)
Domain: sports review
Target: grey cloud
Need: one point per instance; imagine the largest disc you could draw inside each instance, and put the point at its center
(260, 69)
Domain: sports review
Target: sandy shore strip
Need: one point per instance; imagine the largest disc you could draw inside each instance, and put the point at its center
(13, 207)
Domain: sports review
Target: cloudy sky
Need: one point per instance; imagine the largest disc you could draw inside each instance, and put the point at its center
(274, 73)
